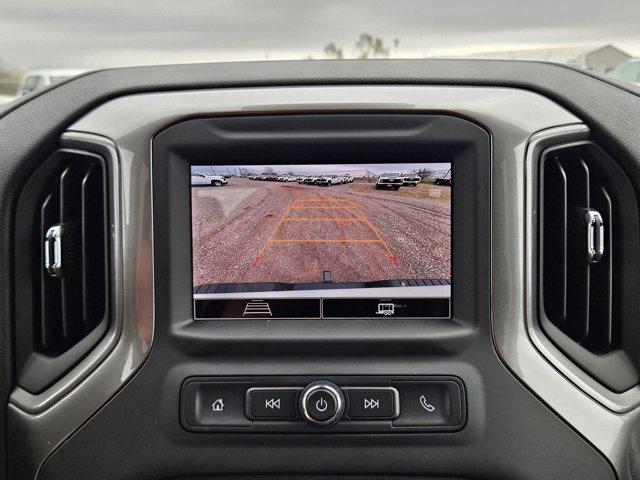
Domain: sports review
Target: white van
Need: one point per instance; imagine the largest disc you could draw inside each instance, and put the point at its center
(37, 79)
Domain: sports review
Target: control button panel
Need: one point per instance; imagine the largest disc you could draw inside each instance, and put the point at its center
(341, 404)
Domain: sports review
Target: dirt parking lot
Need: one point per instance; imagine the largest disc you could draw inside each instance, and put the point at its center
(259, 231)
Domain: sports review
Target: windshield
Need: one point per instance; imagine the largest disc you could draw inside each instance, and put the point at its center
(62, 38)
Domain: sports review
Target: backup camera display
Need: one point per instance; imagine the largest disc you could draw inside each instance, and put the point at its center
(321, 241)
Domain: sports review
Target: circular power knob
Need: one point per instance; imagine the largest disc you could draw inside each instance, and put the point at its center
(322, 403)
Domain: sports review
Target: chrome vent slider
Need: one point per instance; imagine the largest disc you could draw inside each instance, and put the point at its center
(53, 251)
(595, 235)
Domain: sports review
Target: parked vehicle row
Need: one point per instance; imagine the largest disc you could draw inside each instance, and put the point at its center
(386, 180)
(322, 180)
(394, 181)
(391, 181)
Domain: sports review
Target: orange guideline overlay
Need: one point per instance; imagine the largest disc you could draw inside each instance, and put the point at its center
(331, 204)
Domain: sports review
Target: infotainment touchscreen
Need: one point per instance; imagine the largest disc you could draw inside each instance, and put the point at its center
(341, 241)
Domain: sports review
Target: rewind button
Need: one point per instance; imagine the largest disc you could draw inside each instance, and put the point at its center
(272, 403)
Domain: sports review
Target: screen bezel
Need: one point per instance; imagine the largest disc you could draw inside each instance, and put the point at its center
(361, 138)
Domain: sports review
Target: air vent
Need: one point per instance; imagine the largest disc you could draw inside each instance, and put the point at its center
(589, 262)
(72, 251)
(62, 229)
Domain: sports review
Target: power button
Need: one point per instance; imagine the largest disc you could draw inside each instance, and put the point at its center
(322, 403)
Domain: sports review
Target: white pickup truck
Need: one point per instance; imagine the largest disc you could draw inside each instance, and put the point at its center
(328, 181)
(198, 178)
(310, 180)
(411, 180)
(389, 180)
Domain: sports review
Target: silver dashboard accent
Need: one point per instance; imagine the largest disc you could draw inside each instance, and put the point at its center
(431, 291)
(127, 125)
(595, 235)
(604, 418)
(53, 250)
(40, 423)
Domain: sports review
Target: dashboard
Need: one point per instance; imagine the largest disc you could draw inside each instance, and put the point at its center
(419, 269)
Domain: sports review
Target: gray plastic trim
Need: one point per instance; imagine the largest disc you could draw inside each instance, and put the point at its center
(511, 115)
(132, 118)
(617, 402)
(603, 417)
(41, 422)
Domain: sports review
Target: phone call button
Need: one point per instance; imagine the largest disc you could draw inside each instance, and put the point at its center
(429, 403)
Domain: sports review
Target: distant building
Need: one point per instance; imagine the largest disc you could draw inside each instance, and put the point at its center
(556, 55)
(605, 59)
(598, 60)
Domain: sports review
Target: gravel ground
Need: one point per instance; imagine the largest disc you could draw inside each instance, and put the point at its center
(256, 231)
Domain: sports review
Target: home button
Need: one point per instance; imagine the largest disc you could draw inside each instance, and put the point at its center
(213, 404)
(322, 403)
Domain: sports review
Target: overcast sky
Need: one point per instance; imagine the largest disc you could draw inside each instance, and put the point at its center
(375, 168)
(89, 33)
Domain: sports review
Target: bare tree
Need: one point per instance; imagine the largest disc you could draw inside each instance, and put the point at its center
(369, 46)
(331, 50)
(268, 171)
